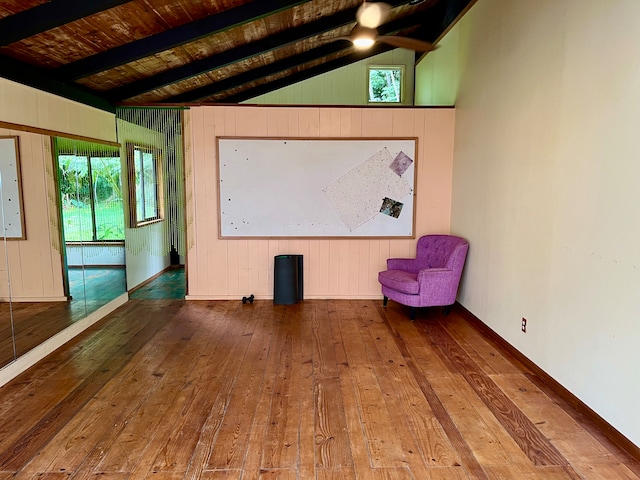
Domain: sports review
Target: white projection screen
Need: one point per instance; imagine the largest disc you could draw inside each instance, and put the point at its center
(328, 187)
(12, 217)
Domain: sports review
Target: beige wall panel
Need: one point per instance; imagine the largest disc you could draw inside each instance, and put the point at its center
(27, 106)
(90, 122)
(434, 193)
(330, 122)
(293, 121)
(49, 112)
(216, 123)
(195, 199)
(19, 104)
(333, 268)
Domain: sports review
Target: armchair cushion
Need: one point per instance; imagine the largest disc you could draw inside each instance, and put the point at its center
(405, 282)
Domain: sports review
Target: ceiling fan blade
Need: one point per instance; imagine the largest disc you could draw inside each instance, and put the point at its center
(408, 43)
(372, 15)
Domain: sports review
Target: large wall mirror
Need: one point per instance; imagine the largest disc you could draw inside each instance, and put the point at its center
(89, 180)
(55, 281)
(9, 155)
(72, 260)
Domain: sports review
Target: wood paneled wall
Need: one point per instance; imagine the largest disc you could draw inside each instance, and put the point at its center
(34, 265)
(29, 107)
(333, 268)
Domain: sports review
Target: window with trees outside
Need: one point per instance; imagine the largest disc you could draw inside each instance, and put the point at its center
(385, 83)
(145, 180)
(91, 191)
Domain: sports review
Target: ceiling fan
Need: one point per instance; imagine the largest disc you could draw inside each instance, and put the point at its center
(370, 16)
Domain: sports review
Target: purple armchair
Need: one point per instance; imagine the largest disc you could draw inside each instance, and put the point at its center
(429, 280)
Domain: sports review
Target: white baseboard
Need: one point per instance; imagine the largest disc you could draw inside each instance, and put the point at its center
(33, 299)
(270, 297)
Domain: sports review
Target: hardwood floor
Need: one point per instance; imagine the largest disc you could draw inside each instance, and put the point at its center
(322, 389)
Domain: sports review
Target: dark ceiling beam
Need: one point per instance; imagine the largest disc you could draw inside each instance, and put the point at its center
(46, 16)
(257, 73)
(443, 17)
(175, 37)
(432, 23)
(305, 74)
(282, 65)
(240, 53)
(25, 74)
(434, 28)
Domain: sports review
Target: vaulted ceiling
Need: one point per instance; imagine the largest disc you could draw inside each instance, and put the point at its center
(117, 52)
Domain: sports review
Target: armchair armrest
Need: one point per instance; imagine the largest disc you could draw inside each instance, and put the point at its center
(406, 264)
(427, 275)
(438, 286)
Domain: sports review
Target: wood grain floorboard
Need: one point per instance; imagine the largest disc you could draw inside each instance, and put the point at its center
(332, 449)
(47, 426)
(584, 425)
(523, 431)
(469, 461)
(324, 389)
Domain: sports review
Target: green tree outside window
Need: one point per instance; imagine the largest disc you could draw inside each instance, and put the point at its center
(385, 84)
(91, 195)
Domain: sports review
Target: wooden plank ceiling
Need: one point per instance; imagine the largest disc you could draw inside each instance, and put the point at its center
(116, 52)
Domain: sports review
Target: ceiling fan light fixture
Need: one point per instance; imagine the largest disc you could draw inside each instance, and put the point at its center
(363, 37)
(363, 42)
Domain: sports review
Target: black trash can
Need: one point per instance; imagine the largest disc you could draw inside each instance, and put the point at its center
(287, 279)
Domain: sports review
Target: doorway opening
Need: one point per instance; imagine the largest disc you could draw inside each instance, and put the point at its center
(152, 143)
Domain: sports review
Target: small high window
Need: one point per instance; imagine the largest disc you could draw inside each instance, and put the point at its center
(385, 83)
(145, 185)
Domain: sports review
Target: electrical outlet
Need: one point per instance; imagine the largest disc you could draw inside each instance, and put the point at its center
(524, 325)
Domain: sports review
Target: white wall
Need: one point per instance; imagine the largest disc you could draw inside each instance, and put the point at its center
(545, 188)
(437, 75)
(147, 252)
(95, 255)
(344, 86)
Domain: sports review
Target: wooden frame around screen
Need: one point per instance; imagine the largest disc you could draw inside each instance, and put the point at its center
(10, 176)
(272, 187)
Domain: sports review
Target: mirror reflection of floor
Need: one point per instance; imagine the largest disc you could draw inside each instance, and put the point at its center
(34, 322)
(96, 286)
(169, 285)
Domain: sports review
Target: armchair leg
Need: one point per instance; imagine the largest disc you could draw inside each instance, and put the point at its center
(412, 313)
(384, 301)
(447, 310)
